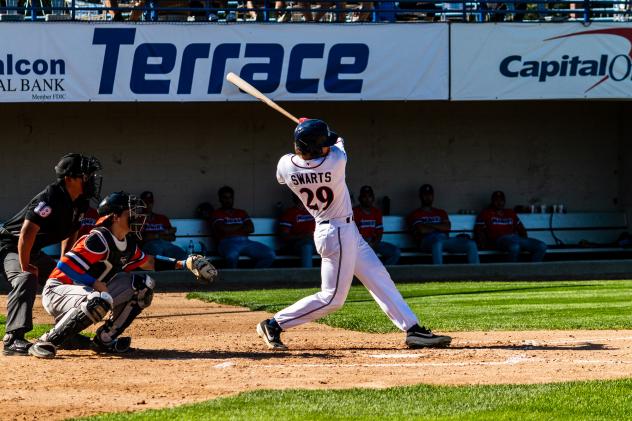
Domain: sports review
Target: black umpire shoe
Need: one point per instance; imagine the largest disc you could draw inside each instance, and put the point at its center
(420, 337)
(15, 346)
(270, 332)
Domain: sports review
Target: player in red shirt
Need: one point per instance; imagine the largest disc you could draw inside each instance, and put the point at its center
(500, 228)
(368, 218)
(296, 231)
(231, 228)
(88, 221)
(431, 229)
(158, 233)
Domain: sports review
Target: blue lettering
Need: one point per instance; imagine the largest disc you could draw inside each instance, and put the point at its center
(626, 62)
(112, 38)
(218, 67)
(141, 67)
(21, 67)
(192, 52)
(295, 84)
(40, 67)
(272, 69)
(335, 67)
(504, 66)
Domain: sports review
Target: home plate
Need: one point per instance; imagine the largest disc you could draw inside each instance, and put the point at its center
(226, 364)
(395, 356)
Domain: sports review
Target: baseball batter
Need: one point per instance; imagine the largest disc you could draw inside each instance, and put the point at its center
(316, 174)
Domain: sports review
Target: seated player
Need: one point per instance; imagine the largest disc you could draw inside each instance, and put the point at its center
(499, 228)
(368, 218)
(88, 221)
(431, 229)
(158, 233)
(296, 231)
(94, 278)
(231, 228)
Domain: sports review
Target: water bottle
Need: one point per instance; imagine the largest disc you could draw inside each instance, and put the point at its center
(191, 247)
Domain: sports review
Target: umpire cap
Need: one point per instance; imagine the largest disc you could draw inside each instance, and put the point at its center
(74, 165)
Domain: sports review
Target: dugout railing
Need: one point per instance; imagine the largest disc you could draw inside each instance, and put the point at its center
(339, 11)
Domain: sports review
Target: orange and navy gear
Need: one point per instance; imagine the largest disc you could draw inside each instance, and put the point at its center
(98, 257)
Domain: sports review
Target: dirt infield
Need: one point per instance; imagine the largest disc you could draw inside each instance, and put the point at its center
(192, 351)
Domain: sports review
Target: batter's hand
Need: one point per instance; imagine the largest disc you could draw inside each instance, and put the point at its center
(202, 268)
(302, 119)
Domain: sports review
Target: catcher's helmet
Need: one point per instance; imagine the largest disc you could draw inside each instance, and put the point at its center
(77, 165)
(119, 202)
(312, 135)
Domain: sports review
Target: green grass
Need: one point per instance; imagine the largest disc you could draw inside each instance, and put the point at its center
(595, 400)
(467, 306)
(38, 330)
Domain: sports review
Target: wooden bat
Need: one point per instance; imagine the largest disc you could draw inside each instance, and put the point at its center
(251, 90)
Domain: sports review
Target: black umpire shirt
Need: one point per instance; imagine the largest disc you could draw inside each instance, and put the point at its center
(55, 213)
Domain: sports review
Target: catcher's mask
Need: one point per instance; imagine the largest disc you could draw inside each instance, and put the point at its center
(312, 135)
(119, 202)
(87, 167)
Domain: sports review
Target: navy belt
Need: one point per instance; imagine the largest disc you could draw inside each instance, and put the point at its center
(347, 220)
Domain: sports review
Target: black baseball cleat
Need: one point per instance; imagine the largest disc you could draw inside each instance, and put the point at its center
(271, 335)
(15, 346)
(120, 345)
(43, 349)
(420, 337)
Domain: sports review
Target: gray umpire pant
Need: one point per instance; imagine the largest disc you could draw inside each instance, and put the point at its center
(24, 286)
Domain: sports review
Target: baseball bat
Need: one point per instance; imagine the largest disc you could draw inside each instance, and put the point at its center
(251, 90)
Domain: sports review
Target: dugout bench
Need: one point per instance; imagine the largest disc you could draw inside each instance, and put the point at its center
(579, 233)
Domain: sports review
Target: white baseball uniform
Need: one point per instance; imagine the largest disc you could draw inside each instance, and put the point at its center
(320, 184)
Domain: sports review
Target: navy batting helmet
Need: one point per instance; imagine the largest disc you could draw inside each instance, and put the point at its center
(311, 135)
(119, 202)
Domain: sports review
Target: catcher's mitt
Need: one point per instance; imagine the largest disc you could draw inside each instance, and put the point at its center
(202, 268)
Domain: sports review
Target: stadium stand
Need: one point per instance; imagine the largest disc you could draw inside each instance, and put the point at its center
(266, 11)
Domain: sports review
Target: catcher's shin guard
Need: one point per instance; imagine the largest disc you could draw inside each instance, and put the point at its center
(91, 311)
(124, 314)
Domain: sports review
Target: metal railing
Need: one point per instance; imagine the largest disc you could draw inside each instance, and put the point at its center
(275, 11)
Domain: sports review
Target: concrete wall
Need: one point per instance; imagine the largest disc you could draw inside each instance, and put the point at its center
(574, 153)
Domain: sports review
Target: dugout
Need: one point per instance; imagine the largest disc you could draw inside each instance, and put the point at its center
(573, 152)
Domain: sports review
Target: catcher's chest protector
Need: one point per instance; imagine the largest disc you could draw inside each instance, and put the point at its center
(117, 260)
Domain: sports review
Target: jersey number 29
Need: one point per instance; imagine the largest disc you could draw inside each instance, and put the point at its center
(323, 194)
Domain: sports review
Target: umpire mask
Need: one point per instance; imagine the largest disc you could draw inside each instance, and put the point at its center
(87, 167)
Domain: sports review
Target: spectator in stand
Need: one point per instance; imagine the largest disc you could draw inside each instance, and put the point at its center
(368, 218)
(431, 229)
(231, 228)
(499, 228)
(339, 13)
(296, 230)
(157, 233)
(88, 221)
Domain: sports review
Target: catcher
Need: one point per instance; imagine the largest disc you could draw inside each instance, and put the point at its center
(94, 279)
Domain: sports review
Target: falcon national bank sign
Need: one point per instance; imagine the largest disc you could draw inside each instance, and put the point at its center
(546, 62)
(43, 78)
(163, 62)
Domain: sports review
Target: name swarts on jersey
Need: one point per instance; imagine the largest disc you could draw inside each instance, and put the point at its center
(310, 178)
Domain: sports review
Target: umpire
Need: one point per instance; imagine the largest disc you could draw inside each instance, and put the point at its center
(49, 218)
